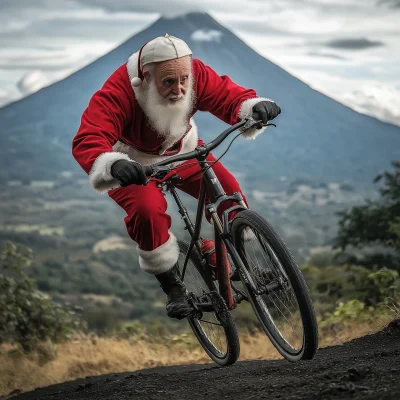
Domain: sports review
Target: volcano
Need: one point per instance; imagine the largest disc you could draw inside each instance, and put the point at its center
(316, 138)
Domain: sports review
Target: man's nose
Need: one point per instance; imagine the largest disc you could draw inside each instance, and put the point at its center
(177, 89)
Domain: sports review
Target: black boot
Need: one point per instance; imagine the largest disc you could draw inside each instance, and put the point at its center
(177, 303)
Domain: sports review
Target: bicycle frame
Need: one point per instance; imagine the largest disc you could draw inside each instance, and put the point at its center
(218, 196)
(223, 240)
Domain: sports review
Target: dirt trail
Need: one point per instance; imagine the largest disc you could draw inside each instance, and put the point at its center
(365, 368)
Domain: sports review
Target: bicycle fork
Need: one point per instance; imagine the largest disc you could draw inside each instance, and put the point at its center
(223, 238)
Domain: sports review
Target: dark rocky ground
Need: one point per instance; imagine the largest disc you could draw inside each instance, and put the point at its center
(365, 368)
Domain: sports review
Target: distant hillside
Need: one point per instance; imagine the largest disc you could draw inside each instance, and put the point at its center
(317, 138)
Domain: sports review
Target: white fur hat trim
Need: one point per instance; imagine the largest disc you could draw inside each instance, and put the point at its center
(136, 81)
(161, 48)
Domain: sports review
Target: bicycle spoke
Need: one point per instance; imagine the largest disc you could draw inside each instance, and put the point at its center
(295, 330)
(210, 326)
(279, 303)
(209, 322)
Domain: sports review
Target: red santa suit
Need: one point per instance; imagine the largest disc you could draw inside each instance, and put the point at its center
(114, 127)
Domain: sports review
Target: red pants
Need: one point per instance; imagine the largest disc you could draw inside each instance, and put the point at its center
(148, 223)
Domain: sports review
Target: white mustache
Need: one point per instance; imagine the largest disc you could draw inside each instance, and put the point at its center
(176, 96)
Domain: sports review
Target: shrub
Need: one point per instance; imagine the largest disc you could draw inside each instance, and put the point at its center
(347, 282)
(28, 316)
(387, 284)
(350, 311)
(129, 330)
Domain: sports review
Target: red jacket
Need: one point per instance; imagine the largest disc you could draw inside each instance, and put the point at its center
(114, 120)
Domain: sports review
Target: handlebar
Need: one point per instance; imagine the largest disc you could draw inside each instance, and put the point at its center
(206, 148)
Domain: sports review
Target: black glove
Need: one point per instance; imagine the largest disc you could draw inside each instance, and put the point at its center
(128, 173)
(266, 111)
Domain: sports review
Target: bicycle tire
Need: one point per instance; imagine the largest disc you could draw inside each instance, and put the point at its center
(270, 312)
(197, 279)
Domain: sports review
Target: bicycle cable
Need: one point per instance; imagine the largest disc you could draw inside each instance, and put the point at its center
(217, 160)
(214, 162)
(230, 144)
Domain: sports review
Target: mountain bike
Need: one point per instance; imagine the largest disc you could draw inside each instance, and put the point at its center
(270, 278)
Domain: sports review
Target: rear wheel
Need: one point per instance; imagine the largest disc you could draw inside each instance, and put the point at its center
(281, 301)
(214, 329)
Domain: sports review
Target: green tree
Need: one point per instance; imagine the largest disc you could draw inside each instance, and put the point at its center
(375, 223)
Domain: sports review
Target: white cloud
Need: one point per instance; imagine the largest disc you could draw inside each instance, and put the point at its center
(382, 101)
(5, 97)
(32, 82)
(60, 37)
(367, 96)
(171, 8)
(210, 35)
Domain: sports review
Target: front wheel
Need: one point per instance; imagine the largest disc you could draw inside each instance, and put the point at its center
(215, 328)
(280, 299)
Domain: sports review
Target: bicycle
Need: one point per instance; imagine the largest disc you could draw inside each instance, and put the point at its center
(273, 283)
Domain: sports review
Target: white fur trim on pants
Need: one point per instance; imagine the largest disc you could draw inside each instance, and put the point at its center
(100, 175)
(160, 259)
(246, 110)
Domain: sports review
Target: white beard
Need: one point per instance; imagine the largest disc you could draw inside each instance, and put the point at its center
(169, 119)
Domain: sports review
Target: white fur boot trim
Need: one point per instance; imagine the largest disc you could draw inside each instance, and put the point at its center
(160, 259)
(100, 175)
(246, 111)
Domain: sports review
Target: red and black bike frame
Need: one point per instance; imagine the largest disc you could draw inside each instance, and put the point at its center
(211, 185)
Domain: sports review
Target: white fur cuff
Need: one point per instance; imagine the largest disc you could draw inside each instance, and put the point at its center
(246, 110)
(100, 175)
(160, 259)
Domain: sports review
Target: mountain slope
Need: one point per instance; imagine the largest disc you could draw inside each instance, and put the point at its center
(316, 138)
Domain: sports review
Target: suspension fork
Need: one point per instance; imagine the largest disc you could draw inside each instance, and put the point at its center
(224, 281)
(222, 237)
(227, 239)
(218, 194)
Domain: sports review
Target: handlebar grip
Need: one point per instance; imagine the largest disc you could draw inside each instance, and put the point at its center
(148, 170)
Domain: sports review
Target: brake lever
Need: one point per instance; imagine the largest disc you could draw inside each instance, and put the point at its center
(157, 170)
(251, 123)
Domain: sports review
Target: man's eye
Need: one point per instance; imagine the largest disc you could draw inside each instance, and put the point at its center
(168, 82)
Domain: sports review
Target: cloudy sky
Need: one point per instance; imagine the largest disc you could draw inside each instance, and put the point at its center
(347, 49)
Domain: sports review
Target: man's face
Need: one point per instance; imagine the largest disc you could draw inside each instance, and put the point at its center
(172, 78)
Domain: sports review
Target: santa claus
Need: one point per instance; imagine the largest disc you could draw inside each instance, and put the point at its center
(144, 114)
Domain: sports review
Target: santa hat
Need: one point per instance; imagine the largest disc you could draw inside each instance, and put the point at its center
(162, 48)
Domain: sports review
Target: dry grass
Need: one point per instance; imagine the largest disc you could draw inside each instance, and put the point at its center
(88, 356)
